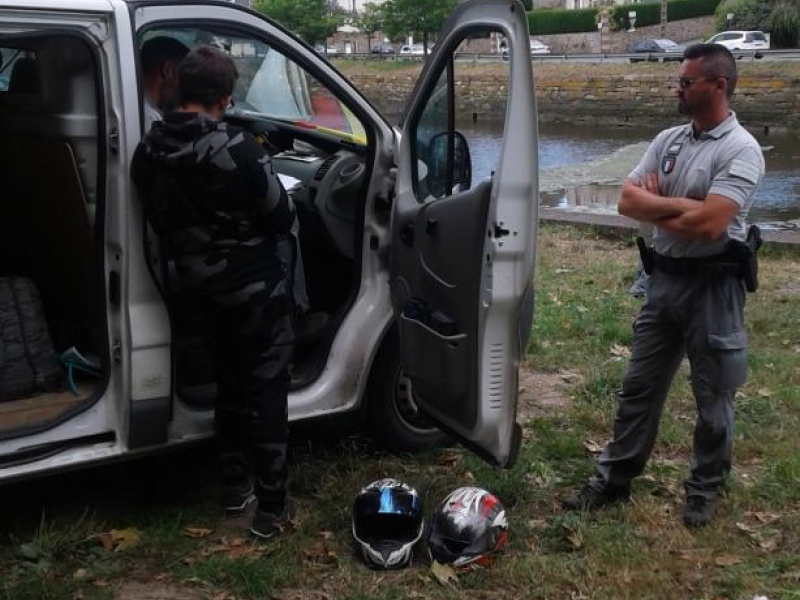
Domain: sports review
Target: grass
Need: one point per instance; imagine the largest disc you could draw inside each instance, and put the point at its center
(638, 551)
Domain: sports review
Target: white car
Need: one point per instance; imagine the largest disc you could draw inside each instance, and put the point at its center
(415, 49)
(426, 275)
(741, 40)
(536, 47)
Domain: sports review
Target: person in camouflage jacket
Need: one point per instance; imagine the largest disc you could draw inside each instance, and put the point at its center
(209, 190)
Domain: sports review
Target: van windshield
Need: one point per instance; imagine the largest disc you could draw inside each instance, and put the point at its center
(273, 85)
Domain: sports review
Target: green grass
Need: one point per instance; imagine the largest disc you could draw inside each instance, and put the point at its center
(638, 551)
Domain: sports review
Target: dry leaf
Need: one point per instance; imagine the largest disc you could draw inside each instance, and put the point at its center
(326, 535)
(581, 309)
(101, 583)
(562, 271)
(593, 447)
(769, 545)
(77, 595)
(765, 517)
(80, 574)
(765, 392)
(575, 539)
(196, 532)
(620, 351)
(445, 574)
(449, 457)
(726, 560)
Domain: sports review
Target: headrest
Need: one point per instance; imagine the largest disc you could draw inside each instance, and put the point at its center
(24, 77)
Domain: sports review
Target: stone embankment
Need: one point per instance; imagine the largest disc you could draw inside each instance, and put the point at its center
(768, 93)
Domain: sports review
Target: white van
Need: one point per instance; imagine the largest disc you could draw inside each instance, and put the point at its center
(741, 40)
(427, 275)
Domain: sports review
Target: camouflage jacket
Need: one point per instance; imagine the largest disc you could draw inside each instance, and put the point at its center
(209, 189)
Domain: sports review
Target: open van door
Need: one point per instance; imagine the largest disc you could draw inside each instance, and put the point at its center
(462, 254)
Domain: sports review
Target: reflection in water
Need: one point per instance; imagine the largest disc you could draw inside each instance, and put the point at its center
(584, 175)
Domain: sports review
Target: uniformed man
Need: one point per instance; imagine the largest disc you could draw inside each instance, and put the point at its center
(160, 57)
(695, 184)
(210, 190)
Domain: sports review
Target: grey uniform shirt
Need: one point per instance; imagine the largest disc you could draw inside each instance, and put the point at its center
(726, 161)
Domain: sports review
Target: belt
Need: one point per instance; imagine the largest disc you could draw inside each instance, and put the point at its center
(718, 264)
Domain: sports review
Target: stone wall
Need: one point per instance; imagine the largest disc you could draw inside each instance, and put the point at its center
(619, 41)
(768, 94)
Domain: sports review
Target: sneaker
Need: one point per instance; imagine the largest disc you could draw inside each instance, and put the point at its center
(699, 510)
(589, 498)
(236, 498)
(267, 524)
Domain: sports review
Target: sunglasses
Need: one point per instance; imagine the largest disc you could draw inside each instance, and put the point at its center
(685, 83)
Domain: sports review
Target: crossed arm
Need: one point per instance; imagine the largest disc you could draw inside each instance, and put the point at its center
(704, 219)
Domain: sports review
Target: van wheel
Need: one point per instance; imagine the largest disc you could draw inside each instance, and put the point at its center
(393, 417)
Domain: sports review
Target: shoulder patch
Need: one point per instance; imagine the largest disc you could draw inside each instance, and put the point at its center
(744, 170)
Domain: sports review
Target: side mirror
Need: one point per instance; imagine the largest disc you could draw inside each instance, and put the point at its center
(460, 176)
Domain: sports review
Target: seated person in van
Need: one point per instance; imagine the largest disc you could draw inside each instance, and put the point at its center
(160, 57)
(222, 212)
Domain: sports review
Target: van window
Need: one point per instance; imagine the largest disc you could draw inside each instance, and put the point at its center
(756, 36)
(273, 85)
(19, 71)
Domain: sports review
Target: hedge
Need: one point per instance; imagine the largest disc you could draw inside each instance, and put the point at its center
(544, 21)
(559, 20)
(678, 10)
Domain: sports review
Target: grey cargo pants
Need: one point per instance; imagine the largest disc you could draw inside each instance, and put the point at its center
(698, 316)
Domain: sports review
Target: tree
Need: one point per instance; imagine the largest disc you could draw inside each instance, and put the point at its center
(369, 21)
(784, 24)
(313, 20)
(420, 18)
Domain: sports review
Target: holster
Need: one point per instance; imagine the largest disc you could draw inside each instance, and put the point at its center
(746, 254)
(647, 255)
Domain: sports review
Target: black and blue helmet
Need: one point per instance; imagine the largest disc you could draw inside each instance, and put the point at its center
(387, 522)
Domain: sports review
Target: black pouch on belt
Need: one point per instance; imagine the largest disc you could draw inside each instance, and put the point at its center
(647, 255)
(746, 254)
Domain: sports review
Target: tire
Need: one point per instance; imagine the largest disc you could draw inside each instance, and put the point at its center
(393, 419)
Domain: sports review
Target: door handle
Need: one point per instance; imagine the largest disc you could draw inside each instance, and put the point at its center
(407, 234)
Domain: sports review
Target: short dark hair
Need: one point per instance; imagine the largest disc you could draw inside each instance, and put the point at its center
(205, 76)
(716, 61)
(159, 50)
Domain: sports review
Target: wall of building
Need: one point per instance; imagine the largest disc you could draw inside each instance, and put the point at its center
(768, 94)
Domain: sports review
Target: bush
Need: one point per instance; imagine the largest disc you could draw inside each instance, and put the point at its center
(546, 21)
(688, 9)
(747, 15)
(784, 24)
(646, 14)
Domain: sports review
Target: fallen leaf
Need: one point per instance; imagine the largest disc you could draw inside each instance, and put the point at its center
(80, 574)
(77, 595)
(620, 351)
(449, 457)
(769, 545)
(592, 447)
(101, 583)
(726, 560)
(581, 309)
(196, 532)
(562, 271)
(765, 392)
(444, 574)
(765, 517)
(575, 540)
(326, 535)
(125, 538)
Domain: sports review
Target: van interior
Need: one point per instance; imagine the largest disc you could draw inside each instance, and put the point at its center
(50, 194)
(321, 151)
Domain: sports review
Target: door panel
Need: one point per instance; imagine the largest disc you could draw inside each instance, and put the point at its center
(462, 254)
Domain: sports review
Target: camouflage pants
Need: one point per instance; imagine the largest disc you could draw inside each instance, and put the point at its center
(252, 339)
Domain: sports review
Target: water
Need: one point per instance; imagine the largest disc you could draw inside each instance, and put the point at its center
(582, 168)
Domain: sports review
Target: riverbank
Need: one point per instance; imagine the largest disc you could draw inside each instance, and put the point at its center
(767, 96)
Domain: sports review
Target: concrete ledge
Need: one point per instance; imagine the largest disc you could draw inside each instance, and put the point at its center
(614, 221)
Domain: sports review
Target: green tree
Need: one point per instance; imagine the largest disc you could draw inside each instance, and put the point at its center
(784, 24)
(313, 20)
(420, 18)
(369, 21)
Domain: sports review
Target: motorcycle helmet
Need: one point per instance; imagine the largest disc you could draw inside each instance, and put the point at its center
(467, 528)
(387, 522)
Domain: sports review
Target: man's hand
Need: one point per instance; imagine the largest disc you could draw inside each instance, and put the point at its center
(641, 201)
(708, 221)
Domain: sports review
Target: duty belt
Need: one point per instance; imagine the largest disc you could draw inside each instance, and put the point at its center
(719, 264)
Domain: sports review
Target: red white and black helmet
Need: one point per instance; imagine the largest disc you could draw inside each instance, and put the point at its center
(467, 528)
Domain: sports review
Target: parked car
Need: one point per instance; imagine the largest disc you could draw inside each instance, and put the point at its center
(383, 49)
(426, 275)
(657, 50)
(329, 51)
(741, 40)
(415, 49)
(536, 47)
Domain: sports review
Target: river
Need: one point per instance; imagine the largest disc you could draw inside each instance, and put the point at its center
(582, 168)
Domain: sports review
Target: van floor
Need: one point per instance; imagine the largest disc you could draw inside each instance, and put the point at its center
(39, 410)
